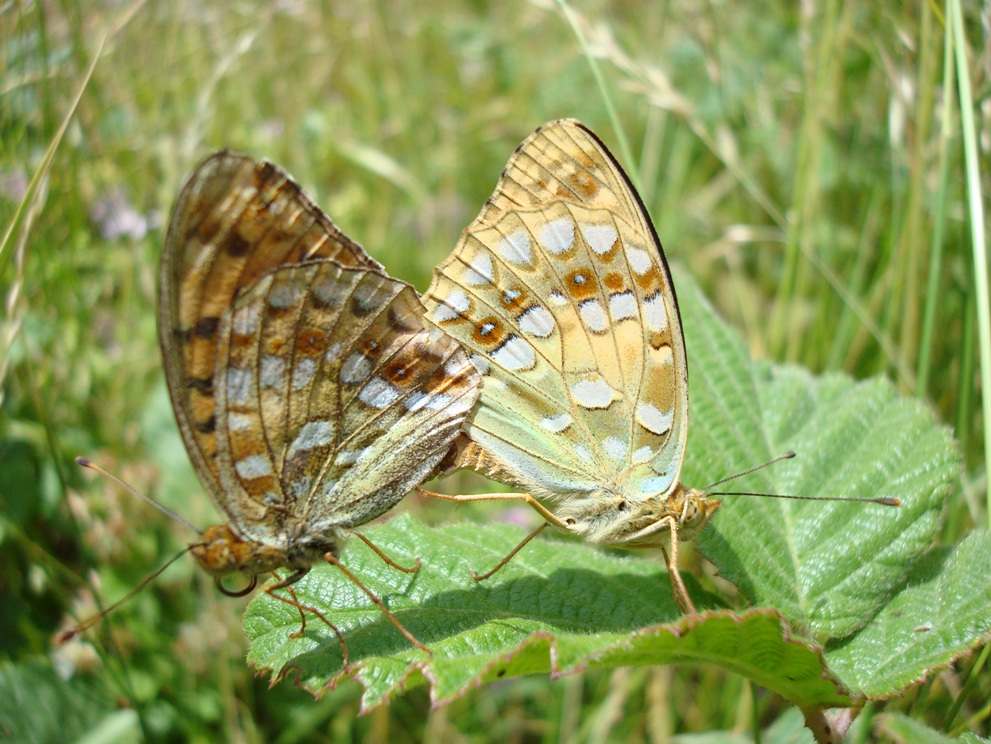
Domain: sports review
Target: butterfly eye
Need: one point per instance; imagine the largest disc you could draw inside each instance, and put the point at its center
(693, 515)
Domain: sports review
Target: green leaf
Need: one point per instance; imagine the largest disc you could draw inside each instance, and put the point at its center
(829, 569)
(559, 607)
(827, 566)
(899, 728)
(943, 611)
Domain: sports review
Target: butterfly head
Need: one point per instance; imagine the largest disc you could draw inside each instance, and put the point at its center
(688, 510)
(696, 510)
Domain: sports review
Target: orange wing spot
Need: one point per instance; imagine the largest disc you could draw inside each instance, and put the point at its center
(580, 284)
(650, 282)
(614, 282)
(489, 333)
(241, 345)
(311, 342)
(274, 345)
(515, 299)
(584, 158)
(583, 183)
(401, 373)
(609, 256)
(246, 445)
(259, 488)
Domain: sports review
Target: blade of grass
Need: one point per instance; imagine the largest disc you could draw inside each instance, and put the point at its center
(939, 227)
(976, 217)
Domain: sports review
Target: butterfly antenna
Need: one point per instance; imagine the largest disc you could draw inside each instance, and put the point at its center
(883, 501)
(67, 635)
(779, 458)
(86, 463)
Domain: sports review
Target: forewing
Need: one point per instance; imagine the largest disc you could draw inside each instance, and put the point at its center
(560, 290)
(335, 401)
(235, 221)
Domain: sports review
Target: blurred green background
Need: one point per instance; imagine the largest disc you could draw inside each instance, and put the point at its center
(804, 161)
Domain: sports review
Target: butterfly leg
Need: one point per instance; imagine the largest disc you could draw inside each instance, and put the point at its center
(302, 615)
(294, 602)
(671, 561)
(530, 500)
(290, 579)
(509, 555)
(285, 584)
(385, 558)
(335, 561)
(550, 519)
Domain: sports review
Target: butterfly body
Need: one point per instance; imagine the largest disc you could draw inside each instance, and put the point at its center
(614, 519)
(221, 551)
(607, 515)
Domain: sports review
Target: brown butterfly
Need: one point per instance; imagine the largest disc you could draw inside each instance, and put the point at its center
(310, 395)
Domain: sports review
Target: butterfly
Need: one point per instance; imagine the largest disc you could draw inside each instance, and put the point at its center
(310, 395)
(561, 293)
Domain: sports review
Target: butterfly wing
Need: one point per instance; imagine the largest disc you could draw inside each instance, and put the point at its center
(336, 401)
(236, 220)
(560, 290)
